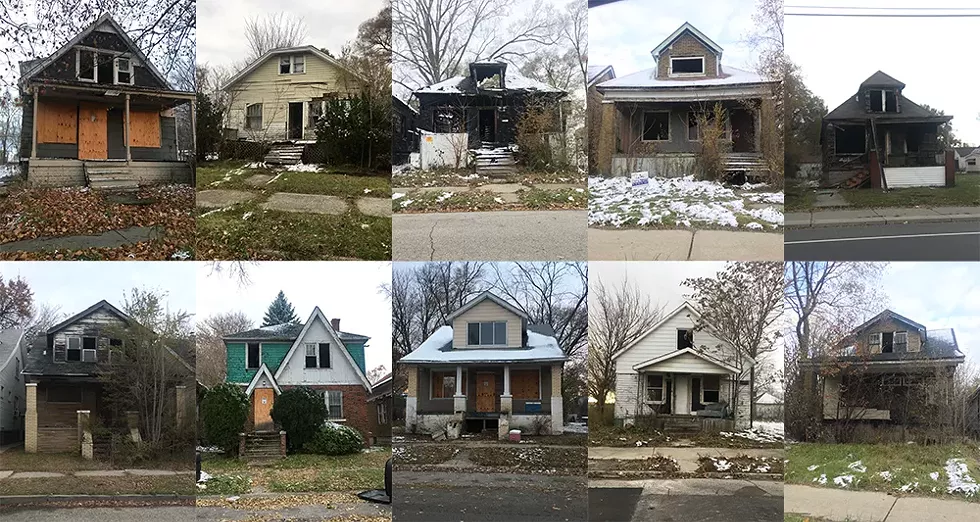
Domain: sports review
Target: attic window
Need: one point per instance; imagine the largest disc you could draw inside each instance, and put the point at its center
(901, 342)
(74, 349)
(310, 355)
(883, 100)
(687, 66)
(490, 333)
(86, 65)
(123, 70)
(253, 356)
(887, 342)
(685, 339)
(292, 64)
(89, 346)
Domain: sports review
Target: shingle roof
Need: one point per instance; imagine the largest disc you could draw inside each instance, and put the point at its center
(286, 332)
(854, 109)
(880, 79)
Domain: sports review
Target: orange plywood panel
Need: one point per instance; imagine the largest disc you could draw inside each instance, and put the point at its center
(93, 143)
(57, 122)
(144, 129)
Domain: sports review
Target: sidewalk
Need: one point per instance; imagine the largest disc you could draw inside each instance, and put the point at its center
(687, 458)
(14, 475)
(869, 506)
(879, 216)
(683, 245)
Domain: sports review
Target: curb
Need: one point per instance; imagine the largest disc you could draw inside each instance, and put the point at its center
(27, 500)
(639, 475)
(833, 222)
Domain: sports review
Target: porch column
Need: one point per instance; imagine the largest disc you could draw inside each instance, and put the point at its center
(85, 433)
(193, 148)
(506, 400)
(606, 141)
(459, 400)
(126, 130)
(557, 410)
(411, 401)
(34, 131)
(757, 116)
(30, 418)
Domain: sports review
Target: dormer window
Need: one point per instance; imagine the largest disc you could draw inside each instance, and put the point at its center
(687, 66)
(292, 64)
(123, 69)
(883, 100)
(86, 65)
(490, 333)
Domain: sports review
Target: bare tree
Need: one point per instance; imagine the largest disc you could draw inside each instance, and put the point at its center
(741, 306)
(16, 302)
(575, 32)
(211, 353)
(43, 317)
(618, 316)
(9, 127)
(273, 31)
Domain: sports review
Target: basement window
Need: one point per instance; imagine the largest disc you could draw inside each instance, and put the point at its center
(123, 70)
(687, 66)
(656, 126)
(685, 339)
(86, 65)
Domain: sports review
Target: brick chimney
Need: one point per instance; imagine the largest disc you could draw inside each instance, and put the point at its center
(335, 324)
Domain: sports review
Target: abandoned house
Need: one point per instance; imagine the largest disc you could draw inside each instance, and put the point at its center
(316, 354)
(404, 131)
(65, 393)
(683, 377)
(651, 120)
(880, 138)
(280, 97)
(480, 111)
(487, 368)
(98, 112)
(379, 409)
(593, 114)
(890, 370)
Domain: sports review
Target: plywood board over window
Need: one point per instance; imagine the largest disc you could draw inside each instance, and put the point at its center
(525, 384)
(144, 129)
(57, 122)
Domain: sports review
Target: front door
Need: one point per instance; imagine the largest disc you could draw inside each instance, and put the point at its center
(93, 143)
(263, 400)
(743, 130)
(696, 394)
(295, 125)
(486, 389)
(488, 126)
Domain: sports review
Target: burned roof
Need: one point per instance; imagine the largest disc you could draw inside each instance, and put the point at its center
(880, 79)
(854, 108)
(467, 85)
(287, 332)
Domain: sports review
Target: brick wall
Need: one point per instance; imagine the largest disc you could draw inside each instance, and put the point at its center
(356, 411)
(687, 45)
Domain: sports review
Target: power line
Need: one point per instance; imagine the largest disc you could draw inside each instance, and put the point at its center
(861, 15)
(855, 8)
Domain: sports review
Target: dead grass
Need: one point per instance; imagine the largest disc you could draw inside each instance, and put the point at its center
(128, 485)
(656, 463)
(18, 460)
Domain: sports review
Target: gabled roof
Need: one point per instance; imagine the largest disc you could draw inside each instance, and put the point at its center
(888, 314)
(438, 349)
(288, 50)
(595, 72)
(285, 332)
(684, 306)
(965, 151)
(513, 81)
(880, 79)
(693, 31)
(976, 152)
(854, 109)
(39, 65)
(382, 388)
(263, 370)
(101, 305)
(691, 351)
(483, 297)
(317, 315)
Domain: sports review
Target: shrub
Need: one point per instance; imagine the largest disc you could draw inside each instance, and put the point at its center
(209, 116)
(714, 143)
(224, 410)
(356, 131)
(300, 412)
(539, 120)
(335, 439)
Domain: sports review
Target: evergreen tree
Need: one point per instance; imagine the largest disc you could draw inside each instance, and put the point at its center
(280, 311)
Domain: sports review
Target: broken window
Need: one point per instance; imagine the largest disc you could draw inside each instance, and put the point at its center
(850, 139)
(883, 100)
(74, 348)
(86, 65)
(656, 126)
(901, 342)
(693, 65)
(254, 356)
(655, 388)
(444, 385)
(299, 65)
(284, 65)
(315, 110)
(253, 116)
(685, 339)
(448, 119)
(874, 342)
(710, 389)
(887, 342)
(123, 71)
(292, 64)
(694, 125)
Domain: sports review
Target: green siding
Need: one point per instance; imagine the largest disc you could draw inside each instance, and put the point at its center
(357, 352)
(272, 356)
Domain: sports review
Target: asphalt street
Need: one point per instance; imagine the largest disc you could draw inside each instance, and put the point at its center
(946, 241)
(685, 500)
(157, 513)
(488, 497)
(490, 236)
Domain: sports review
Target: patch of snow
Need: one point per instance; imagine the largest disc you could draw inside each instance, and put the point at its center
(435, 349)
(754, 226)
(911, 486)
(721, 464)
(407, 202)
(9, 170)
(577, 427)
(367, 191)
(181, 255)
(303, 167)
(761, 432)
(205, 476)
(444, 197)
(498, 200)
(397, 195)
(934, 475)
(959, 478)
(650, 78)
(246, 215)
(887, 475)
(257, 165)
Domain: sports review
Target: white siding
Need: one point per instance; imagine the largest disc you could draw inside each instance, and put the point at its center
(14, 394)
(688, 363)
(682, 394)
(487, 310)
(340, 372)
(664, 341)
(627, 389)
(898, 177)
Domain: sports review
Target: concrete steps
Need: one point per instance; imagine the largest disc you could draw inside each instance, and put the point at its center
(285, 154)
(494, 162)
(107, 176)
(262, 446)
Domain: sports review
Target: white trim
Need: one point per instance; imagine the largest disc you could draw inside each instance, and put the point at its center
(78, 66)
(646, 387)
(326, 400)
(263, 370)
(659, 49)
(115, 71)
(671, 355)
(289, 51)
(317, 314)
(247, 367)
(672, 74)
(483, 297)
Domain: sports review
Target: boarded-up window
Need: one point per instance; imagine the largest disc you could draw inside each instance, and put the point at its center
(144, 129)
(444, 385)
(57, 122)
(525, 384)
(65, 394)
(710, 389)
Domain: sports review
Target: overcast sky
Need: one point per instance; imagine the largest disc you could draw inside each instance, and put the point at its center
(346, 290)
(932, 56)
(221, 25)
(77, 285)
(939, 295)
(622, 34)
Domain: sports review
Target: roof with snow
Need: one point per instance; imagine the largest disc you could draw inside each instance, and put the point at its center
(595, 72)
(647, 79)
(688, 29)
(438, 348)
(513, 81)
(285, 332)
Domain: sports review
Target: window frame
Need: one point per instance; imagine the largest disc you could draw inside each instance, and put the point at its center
(78, 65)
(704, 388)
(677, 338)
(643, 121)
(904, 344)
(68, 348)
(320, 363)
(116, 70)
(493, 333)
(310, 121)
(432, 384)
(247, 367)
(306, 357)
(95, 351)
(662, 388)
(874, 339)
(292, 59)
(704, 64)
(327, 402)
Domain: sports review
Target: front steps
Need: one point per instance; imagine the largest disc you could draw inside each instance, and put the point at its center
(285, 154)
(109, 176)
(261, 446)
(747, 164)
(496, 162)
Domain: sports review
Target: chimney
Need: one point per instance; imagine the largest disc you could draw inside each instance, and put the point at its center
(335, 324)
